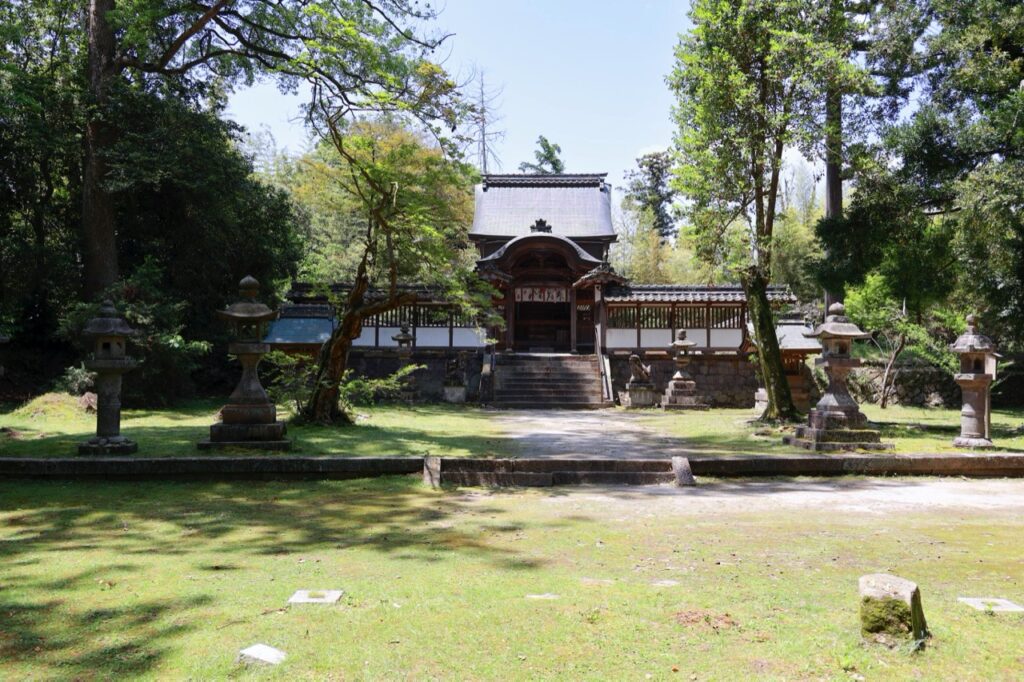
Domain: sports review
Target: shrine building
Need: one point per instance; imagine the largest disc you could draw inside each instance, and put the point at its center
(543, 243)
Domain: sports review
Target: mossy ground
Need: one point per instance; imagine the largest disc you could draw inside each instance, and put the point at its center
(728, 581)
(52, 425)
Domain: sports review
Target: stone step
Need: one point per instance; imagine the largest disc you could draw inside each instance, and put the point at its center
(552, 464)
(549, 405)
(593, 397)
(544, 479)
(544, 386)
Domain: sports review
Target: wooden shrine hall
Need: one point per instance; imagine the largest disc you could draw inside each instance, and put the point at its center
(570, 321)
(544, 242)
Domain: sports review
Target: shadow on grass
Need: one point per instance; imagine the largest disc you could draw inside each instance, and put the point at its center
(177, 523)
(170, 440)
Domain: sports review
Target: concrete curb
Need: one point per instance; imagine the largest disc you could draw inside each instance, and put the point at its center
(525, 471)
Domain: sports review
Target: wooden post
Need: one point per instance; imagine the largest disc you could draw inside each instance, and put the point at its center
(510, 314)
(707, 323)
(601, 318)
(638, 326)
(451, 327)
(572, 320)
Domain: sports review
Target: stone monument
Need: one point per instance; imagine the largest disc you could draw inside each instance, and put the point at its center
(639, 391)
(977, 372)
(681, 392)
(109, 333)
(836, 422)
(249, 420)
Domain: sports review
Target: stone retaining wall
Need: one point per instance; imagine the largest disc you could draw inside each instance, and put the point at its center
(914, 385)
(427, 383)
(722, 380)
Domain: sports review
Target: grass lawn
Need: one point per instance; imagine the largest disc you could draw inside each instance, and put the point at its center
(53, 425)
(170, 580)
(911, 429)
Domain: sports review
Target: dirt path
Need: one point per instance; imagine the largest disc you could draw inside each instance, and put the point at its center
(587, 434)
(848, 496)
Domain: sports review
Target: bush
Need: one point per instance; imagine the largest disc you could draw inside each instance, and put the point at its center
(75, 380)
(166, 359)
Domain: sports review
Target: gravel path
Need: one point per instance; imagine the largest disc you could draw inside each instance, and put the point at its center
(586, 434)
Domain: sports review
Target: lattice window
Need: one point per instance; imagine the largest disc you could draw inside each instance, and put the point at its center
(655, 317)
(622, 318)
(690, 317)
(461, 319)
(726, 317)
(394, 318)
(432, 316)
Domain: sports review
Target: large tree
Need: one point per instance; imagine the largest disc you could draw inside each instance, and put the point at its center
(359, 54)
(409, 208)
(649, 188)
(748, 83)
(547, 159)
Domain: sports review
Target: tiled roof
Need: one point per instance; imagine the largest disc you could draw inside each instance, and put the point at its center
(690, 293)
(304, 330)
(573, 205)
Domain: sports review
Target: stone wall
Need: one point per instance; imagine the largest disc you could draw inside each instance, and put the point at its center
(722, 380)
(914, 385)
(427, 383)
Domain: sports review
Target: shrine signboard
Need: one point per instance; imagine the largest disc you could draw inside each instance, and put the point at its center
(542, 295)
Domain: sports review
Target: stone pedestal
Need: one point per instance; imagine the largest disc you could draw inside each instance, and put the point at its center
(638, 394)
(249, 420)
(681, 394)
(974, 415)
(836, 422)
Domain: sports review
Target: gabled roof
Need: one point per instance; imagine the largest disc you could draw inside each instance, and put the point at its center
(540, 239)
(690, 293)
(573, 205)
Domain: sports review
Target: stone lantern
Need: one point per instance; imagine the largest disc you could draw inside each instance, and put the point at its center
(836, 422)
(977, 372)
(249, 420)
(681, 392)
(403, 338)
(109, 334)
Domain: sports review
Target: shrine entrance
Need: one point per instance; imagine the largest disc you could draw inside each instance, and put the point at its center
(542, 325)
(545, 310)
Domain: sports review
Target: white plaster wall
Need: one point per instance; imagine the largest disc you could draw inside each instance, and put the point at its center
(726, 338)
(385, 336)
(365, 337)
(468, 338)
(432, 337)
(655, 338)
(621, 338)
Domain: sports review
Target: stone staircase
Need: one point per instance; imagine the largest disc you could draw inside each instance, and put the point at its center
(547, 381)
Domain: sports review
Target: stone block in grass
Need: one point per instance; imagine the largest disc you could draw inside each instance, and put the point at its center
(890, 609)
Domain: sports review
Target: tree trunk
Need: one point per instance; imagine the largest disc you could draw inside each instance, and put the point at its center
(886, 377)
(323, 406)
(780, 400)
(98, 217)
(833, 167)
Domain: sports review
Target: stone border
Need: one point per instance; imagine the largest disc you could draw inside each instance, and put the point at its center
(325, 468)
(208, 468)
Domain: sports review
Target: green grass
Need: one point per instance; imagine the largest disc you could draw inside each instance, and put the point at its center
(169, 581)
(910, 429)
(53, 425)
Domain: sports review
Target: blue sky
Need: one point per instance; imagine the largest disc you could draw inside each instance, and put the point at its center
(588, 75)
